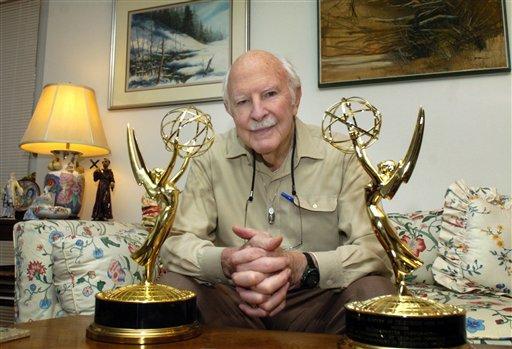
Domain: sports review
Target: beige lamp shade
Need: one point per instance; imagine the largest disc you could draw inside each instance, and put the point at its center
(66, 118)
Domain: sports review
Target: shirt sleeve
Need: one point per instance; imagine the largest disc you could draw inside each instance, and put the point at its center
(189, 250)
(360, 253)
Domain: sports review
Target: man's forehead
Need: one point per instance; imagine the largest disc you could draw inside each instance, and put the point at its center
(256, 62)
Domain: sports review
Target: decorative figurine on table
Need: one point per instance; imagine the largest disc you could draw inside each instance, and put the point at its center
(102, 210)
(11, 196)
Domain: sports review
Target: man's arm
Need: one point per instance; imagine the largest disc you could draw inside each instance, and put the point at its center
(360, 253)
(190, 249)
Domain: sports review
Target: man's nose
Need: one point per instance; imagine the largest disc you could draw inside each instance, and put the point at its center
(258, 110)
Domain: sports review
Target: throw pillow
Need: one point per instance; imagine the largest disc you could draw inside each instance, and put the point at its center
(420, 231)
(475, 252)
(86, 265)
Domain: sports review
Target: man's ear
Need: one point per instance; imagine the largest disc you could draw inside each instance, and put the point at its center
(298, 95)
(228, 109)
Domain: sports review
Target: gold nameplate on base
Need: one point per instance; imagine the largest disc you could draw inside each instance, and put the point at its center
(400, 320)
(149, 312)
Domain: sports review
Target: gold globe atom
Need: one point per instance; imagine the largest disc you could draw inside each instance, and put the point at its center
(176, 128)
(348, 111)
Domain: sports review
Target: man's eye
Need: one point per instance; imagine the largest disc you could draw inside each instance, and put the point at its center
(242, 102)
(270, 93)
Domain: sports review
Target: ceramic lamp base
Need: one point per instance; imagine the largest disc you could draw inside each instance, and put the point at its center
(143, 314)
(404, 322)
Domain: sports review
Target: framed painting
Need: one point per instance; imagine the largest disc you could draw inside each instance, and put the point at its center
(173, 51)
(382, 40)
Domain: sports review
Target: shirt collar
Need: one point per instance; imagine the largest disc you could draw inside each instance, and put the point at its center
(306, 145)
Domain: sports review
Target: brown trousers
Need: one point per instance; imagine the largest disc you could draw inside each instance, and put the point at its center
(315, 310)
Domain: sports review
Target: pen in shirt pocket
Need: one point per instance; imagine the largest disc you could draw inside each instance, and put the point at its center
(287, 197)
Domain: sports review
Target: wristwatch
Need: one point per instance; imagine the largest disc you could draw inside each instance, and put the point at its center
(311, 275)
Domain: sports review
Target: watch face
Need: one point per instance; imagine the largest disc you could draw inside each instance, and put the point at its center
(312, 278)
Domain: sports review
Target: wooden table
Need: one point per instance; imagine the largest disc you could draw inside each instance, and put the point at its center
(69, 332)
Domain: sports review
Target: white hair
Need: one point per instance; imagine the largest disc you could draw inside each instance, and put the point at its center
(293, 82)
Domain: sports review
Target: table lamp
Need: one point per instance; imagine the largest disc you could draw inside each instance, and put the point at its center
(66, 123)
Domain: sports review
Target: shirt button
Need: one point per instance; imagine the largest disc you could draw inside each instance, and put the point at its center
(329, 282)
(315, 205)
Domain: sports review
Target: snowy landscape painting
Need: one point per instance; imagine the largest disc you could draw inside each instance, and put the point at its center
(178, 45)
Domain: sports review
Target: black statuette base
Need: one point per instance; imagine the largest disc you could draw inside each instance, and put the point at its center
(139, 315)
(406, 332)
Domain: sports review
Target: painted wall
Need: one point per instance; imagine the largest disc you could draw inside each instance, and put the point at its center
(468, 133)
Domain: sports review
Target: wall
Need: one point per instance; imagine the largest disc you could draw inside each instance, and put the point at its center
(468, 125)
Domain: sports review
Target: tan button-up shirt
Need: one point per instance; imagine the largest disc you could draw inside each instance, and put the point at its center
(329, 216)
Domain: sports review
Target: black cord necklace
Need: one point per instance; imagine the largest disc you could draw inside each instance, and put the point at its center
(271, 211)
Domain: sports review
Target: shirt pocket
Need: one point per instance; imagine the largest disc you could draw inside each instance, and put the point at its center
(319, 217)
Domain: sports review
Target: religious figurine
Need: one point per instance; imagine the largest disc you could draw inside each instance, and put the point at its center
(102, 210)
(11, 196)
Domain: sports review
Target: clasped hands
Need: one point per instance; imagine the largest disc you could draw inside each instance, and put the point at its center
(262, 271)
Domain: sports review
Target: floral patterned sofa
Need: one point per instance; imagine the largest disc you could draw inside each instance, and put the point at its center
(61, 264)
(467, 256)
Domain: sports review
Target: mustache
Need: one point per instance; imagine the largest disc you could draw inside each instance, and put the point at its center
(265, 123)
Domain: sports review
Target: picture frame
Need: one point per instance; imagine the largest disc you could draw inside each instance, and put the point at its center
(166, 52)
(367, 42)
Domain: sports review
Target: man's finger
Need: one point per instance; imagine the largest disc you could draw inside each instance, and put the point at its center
(247, 279)
(245, 233)
(266, 265)
(247, 255)
(251, 297)
(277, 309)
(276, 300)
(266, 242)
(273, 283)
(258, 238)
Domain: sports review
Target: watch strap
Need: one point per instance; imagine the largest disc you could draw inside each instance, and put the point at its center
(311, 276)
(309, 259)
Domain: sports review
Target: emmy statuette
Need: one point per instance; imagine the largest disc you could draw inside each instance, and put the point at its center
(148, 312)
(400, 320)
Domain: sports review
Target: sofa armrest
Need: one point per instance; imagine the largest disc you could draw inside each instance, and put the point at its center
(35, 297)
(35, 293)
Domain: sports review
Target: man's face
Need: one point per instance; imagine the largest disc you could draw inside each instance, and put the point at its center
(262, 104)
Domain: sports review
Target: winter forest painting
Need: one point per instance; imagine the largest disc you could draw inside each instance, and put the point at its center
(382, 39)
(176, 45)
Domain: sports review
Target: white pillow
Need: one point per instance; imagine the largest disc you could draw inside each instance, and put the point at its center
(83, 266)
(475, 252)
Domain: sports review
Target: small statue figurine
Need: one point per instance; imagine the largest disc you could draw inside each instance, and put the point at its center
(102, 210)
(11, 197)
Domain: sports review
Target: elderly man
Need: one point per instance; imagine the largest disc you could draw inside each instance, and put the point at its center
(271, 231)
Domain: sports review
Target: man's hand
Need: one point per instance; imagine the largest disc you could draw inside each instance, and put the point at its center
(262, 271)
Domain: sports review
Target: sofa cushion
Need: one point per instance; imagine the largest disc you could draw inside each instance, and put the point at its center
(419, 230)
(475, 252)
(86, 265)
(487, 316)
